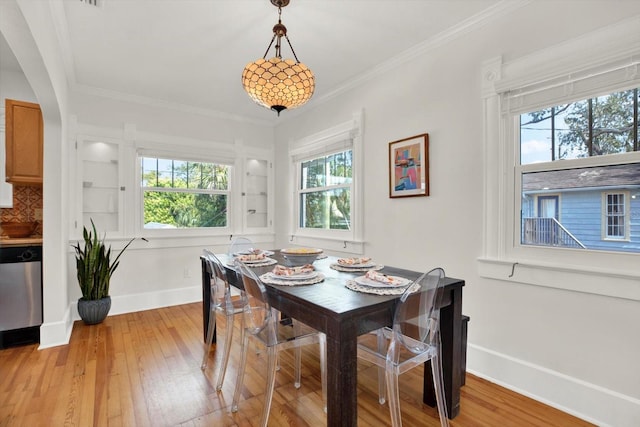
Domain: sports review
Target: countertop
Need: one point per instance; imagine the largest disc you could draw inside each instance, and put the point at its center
(25, 241)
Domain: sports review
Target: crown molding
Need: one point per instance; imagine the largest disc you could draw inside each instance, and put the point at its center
(159, 103)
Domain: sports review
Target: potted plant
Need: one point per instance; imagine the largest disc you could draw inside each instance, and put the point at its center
(94, 269)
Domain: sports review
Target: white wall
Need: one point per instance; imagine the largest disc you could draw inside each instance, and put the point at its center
(14, 85)
(164, 271)
(574, 350)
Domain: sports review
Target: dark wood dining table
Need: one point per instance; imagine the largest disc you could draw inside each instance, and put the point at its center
(343, 315)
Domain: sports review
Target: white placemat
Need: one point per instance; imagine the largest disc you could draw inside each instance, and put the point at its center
(270, 278)
(339, 267)
(379, 291)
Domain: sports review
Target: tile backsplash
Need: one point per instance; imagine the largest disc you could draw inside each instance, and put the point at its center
(27, 206)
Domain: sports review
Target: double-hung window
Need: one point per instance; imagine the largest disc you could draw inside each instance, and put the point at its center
(616, 216)
(327, 189)
(178, 193)
(562, 164)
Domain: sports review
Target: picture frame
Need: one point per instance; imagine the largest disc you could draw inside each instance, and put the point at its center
(409, 167)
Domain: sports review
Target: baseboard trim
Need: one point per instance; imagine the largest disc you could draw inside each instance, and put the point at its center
(579, 398)
(121, 304)
(53, 334)
(58, 333)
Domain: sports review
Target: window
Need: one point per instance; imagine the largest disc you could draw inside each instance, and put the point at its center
(326, 188)
(615, 216)
(603, 127)
(325, 191)
(527, 157)
(184, 194)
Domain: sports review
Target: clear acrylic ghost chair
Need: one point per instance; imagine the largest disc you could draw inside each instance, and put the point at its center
(240, 244)
(220, 302)
(413, 339)
(262, 323)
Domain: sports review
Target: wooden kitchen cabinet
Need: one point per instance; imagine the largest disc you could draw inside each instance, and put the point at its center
(24, 142)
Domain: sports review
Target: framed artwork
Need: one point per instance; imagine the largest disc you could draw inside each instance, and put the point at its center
(409, 167)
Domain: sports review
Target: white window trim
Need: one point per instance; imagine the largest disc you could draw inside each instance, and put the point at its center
(342, 137)
(567, 71)
(186, 155)
(627, 217)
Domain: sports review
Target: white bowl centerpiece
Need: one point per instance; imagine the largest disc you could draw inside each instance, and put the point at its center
(300, 256)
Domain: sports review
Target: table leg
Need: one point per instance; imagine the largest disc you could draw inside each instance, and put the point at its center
(451, 335)
(342, 396)
(206, 301)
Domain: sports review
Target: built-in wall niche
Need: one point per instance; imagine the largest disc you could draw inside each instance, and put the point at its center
(101, 185)
(256, 194)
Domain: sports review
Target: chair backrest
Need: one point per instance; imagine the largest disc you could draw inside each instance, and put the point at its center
(259, 317)
(239, 244)
(219, 283)
(417, 319)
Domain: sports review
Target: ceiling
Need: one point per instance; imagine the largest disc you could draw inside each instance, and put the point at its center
(191, 53)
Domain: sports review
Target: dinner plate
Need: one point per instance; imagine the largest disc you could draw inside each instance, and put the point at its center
(302, 276)
(256, 261)
(364, 281)
(266, 253)
(363, 265)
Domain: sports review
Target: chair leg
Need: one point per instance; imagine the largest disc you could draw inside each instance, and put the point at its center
(239, 380)
(226, 348)
(394, 395)
(210, 329)
(323, 368)
(382, 386)
(438, 384)
(298, 357)
(271, 382)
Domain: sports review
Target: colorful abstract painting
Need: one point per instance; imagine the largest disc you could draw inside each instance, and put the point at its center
(408, 166)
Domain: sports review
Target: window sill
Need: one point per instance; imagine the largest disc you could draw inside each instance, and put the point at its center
(182, 241)
(328, 243)
(598, 281)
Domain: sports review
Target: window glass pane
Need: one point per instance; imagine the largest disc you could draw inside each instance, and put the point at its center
(339, 169)
(165, 173)
(613, 123)
(180, 175)
(564, 208)
(592, 127)
(183, 174)
(571, 130)
(329, 209)
(535, 137)
(313, 173)
(184, 210)
(149, 172)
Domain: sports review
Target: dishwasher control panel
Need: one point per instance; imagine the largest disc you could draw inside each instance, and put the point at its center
(12, 254)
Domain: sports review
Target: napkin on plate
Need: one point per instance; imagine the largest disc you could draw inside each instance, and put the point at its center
(352, 261)
(382, 278)
(281, 270)
(252, 257)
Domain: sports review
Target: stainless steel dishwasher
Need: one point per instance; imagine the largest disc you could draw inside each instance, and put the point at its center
(20, 295)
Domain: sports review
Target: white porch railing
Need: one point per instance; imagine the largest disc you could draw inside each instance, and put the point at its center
(547, 232)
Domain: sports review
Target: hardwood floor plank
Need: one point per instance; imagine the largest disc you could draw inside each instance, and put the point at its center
(143, 369)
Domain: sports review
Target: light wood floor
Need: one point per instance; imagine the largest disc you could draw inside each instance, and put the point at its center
(143, 369)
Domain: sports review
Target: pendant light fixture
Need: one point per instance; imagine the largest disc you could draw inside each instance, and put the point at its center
(275, 83)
